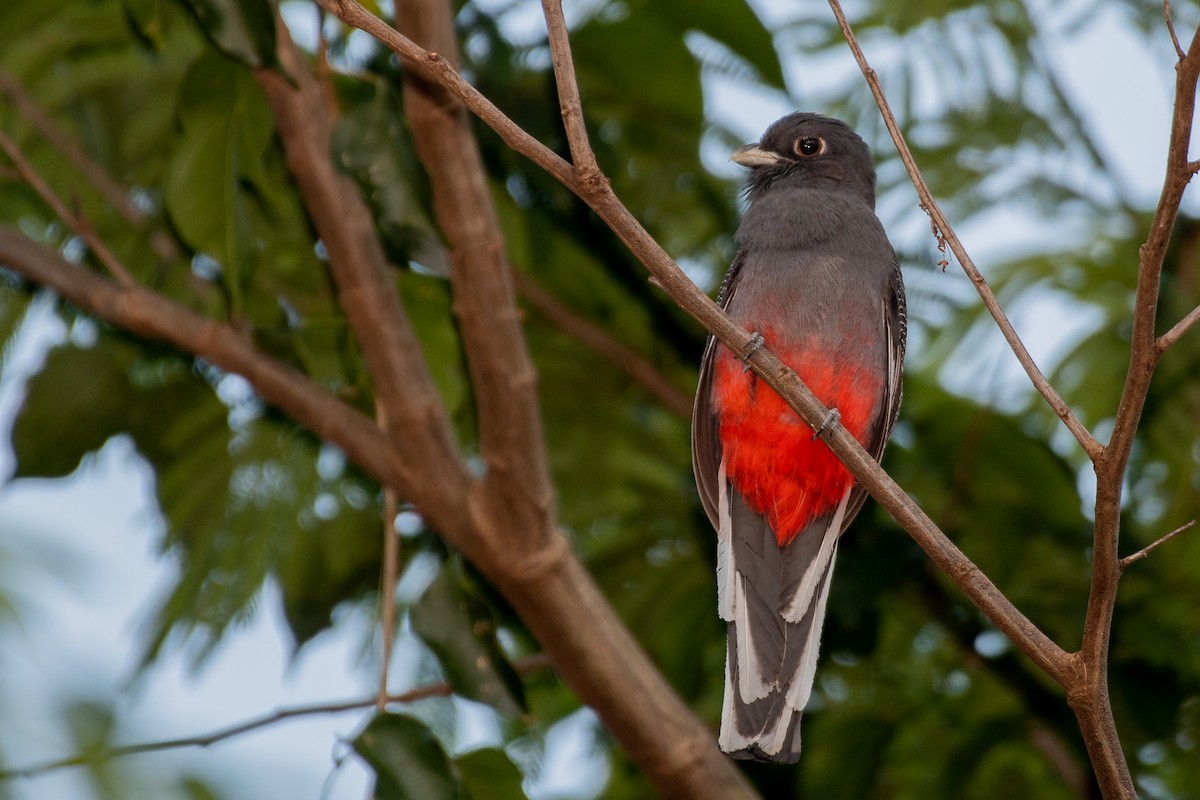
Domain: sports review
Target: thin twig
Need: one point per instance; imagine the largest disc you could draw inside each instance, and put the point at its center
(1090, 445)
(51, 133)
(1177, 330)
(569, 103)
(96, 174)
(522, 666)
(1124, 563)
(1171, 28)
(74, 219)
(389, 575)
(604, 345)
(439, 70)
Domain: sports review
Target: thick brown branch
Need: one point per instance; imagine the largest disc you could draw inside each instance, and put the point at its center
(149, 314)
(434, 67)
(407, 398)
(517, 501)
(946, 234)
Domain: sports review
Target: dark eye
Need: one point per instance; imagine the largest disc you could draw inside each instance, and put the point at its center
(809, 146)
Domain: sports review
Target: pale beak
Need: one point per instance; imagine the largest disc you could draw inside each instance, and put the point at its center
(754, 156)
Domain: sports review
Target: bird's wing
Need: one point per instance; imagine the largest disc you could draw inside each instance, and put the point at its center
(895, 325)
(706, 444)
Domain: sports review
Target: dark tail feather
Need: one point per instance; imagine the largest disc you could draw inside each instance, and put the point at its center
(761, 715)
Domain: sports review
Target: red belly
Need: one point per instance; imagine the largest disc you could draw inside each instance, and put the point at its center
(769, 453)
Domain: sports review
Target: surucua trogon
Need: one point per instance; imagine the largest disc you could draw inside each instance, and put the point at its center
(816, 277)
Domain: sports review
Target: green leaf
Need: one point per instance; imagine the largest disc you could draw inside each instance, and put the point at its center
(462, 634)
(226, 131)
(489, 774)
(242, 29)
(72, 406)
(409, 763)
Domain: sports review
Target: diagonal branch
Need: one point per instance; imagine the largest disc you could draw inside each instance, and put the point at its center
(408, 402)
(946, 233)
(582, 156)
(604, 345)
(1033, 642)
(149, 314)
(75, 221)
(1164, 342)
(1148, 549)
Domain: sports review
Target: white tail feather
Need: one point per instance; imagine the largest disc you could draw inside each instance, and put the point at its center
(726, 569)
(803, 598)
(730, 740)
(802, 681)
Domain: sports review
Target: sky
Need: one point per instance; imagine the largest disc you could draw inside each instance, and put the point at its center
(77, 556)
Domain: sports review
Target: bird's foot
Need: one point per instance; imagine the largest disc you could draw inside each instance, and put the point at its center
(752, 347)
(831, 420)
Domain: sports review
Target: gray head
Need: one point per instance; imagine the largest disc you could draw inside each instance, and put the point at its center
(809, 150)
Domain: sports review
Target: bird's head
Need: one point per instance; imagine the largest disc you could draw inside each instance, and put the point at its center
(805, 149)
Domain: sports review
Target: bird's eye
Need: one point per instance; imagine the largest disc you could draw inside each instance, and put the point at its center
(809, 146)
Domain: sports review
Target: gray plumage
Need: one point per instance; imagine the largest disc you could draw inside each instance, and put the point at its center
(813, 266)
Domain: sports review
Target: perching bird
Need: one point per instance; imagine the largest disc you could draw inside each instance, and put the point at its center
(815, 276)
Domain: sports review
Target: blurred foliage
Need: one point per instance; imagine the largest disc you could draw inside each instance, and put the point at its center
(916, 690)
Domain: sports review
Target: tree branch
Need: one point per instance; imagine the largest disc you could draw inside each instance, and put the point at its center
(407, 398)
(105, 184)
(945, 233)
(600, 342)
(522, 666)
(688, 296)
(1124, 563)
(582, 156)
(516, 486)
(1164, 342)
(75, 221)
(146, 313)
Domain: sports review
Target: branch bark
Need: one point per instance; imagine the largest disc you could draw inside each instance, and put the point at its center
(946, 234)
(599, 196)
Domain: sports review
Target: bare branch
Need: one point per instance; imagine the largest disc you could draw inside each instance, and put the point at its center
(407, 398)
(522, 666)
(1171, 29)
(1164, 342)
(74, 220)
(50, 131)
(437, 69)
(109, 187)
(946, 233)
(146, 313)
(599, 341)
(1124, 563)
(1033, 642)
(516, 486)
(568, 93)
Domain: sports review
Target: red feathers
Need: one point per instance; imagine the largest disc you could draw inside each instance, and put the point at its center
(769, 452)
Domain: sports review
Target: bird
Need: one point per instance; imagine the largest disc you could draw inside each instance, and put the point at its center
(816, 281)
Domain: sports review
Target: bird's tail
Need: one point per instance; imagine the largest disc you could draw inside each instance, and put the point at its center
(773, 599)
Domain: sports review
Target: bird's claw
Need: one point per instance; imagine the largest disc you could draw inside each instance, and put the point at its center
(752, 347)
(832, 419)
